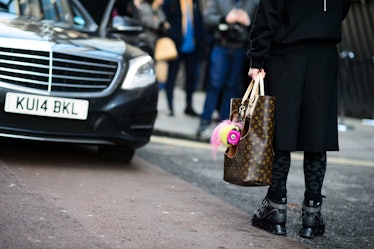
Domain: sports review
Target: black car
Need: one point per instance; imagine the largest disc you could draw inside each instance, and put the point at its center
(64, 77)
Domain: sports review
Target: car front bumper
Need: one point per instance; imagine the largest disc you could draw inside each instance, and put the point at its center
(124, 118)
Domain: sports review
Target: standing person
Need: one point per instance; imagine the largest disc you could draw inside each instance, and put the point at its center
(187, 32)
(153, 20)
(230, 21)
(294, 42)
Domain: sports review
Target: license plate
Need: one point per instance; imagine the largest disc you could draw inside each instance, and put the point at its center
(46, 106)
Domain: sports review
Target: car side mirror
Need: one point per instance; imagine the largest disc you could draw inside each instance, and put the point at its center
(124, 24)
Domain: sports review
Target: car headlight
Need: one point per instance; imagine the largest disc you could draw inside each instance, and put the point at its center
(141, 73)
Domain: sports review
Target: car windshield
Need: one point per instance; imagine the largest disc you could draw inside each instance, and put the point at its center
(58, 11)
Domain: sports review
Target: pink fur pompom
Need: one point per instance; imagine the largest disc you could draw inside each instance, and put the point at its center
(220, 135)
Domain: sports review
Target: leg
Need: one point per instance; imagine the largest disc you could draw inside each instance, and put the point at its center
(273, 215)
(217, 72)
(314, 173)
(191, 64)
(232, 80)
(277, 191)
(170, 83)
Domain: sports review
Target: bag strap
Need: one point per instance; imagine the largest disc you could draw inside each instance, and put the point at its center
(248, 91)
(259, 81)
(262, 84)
(256, 88)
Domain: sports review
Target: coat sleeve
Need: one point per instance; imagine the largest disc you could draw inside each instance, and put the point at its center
(212, 15)
(148, 19)
(264, 27)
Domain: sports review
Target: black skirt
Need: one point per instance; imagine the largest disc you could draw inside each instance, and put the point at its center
(304, 83)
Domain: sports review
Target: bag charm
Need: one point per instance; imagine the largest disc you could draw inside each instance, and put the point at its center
(227, 133)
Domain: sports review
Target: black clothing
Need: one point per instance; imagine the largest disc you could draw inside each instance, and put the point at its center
(295, 42)
(305, 86)
(225, 34)
(172, 10)
(286, 25)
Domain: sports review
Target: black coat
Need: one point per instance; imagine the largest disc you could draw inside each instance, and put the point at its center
(292, 24)
(304, 84)
(172, 10)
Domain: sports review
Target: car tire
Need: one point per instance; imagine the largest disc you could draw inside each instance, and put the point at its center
(115, 153)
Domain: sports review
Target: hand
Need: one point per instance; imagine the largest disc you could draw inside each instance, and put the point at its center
(243, 18)
(254, 72)
(232, 16)
(166, 25)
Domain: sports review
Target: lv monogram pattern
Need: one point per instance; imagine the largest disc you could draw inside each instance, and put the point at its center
(252, 163)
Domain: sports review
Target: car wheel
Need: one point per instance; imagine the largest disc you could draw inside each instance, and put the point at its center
(115, 153)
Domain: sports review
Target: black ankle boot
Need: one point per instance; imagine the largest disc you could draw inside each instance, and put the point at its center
(312, 221)
(271, 217)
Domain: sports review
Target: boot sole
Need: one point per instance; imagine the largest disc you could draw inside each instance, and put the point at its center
(277, 229)
(312, 232)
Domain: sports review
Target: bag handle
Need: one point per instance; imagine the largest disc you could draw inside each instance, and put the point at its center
(248, 91)
(258, 88)
(262, 84)
(254, 89)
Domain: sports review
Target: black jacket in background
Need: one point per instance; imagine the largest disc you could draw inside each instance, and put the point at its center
(172, 10)
(285, 25)
(215, 15)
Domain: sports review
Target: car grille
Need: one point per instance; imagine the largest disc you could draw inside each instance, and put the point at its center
(70, 73)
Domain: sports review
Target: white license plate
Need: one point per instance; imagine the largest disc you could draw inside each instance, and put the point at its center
(46, 106)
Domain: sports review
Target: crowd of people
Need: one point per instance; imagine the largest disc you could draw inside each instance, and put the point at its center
(210, 36)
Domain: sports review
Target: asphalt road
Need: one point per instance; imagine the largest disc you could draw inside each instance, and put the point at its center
(348, 207)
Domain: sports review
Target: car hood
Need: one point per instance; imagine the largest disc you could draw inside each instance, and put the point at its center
(64, 39)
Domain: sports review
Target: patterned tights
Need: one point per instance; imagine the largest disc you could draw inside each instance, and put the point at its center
(314, 174)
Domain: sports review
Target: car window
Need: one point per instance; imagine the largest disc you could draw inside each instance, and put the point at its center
(6, 5)
(58, 11)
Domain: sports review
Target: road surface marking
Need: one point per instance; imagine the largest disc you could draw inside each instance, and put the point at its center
(294, 155)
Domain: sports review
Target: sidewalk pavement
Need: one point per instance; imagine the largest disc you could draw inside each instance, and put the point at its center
(356, 136)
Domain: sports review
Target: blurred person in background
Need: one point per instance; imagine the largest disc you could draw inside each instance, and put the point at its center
(153, 20)
(230, 22)
(187, 31)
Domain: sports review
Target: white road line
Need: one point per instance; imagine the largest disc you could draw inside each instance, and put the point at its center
(295, 156)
